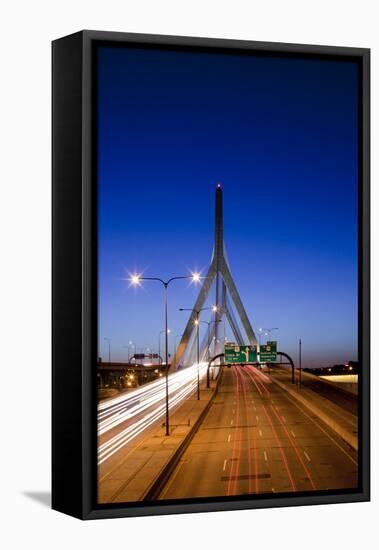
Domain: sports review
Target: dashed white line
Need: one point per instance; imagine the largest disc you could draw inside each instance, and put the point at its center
(257, 417)
(231, 422)
(307, 456)
(292, 433)
(229, 438)
(265, 455)
(224, 466)
(260, 432)
(322, 429)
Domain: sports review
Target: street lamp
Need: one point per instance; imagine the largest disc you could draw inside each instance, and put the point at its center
(269, 330)
(260, 334)
(209, 334)
(128, 348)
(136, 281)
(197, 323)
(159, 341)
(109, 349)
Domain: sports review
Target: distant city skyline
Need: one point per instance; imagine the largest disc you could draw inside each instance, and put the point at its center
(281, 137)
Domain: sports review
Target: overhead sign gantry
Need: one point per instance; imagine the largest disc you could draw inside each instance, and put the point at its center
(240, 354)
(234, 353)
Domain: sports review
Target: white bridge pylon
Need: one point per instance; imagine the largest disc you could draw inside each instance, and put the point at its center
(226, 294)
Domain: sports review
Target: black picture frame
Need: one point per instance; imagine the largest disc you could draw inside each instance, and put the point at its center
(74, 273)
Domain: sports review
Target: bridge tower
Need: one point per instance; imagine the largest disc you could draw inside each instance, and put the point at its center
(226, 294)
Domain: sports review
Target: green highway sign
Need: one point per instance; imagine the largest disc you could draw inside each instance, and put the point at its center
(267, 352)
(240, 354)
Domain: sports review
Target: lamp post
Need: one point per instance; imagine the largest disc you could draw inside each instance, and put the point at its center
(109, 349)
(269, 330)
(209, 334)
(159, 340)
(130, 345)
(197, 323)
(136, 281)
(260, 334)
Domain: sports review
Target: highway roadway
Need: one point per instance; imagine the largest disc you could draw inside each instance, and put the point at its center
(126, 420)
(256, 440)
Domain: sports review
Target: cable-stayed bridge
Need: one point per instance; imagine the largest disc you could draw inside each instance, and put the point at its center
(219, 285)
(251, 431)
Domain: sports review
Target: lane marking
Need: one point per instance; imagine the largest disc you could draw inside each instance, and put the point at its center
(244, 394)
(260, 432)
(247, 383)
(284, 458)
(265, 410)
(236, 395)
(284, 419)
(295, 448)
(231, 422)
(320, 428)
(307, 456)
(292, 433)
(224, 466)
(229, 438)
(280, 447)
(173, 478)
(265, 455)
(257, 417)
(238, 438)
(255, 408)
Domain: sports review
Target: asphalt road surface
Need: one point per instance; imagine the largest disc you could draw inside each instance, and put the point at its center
(348, 402)
(124, 422)
(255, 439)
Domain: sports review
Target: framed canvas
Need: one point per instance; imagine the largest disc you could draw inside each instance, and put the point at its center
(211, 342)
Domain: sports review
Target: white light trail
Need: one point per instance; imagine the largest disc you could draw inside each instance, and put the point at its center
(142, 407)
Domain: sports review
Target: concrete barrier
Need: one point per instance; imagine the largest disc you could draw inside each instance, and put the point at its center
(345, 433)
(350, 388)
(161, 480)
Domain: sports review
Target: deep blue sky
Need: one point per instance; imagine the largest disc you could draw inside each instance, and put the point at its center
(281, 136)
